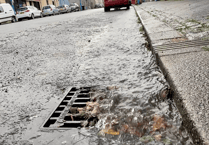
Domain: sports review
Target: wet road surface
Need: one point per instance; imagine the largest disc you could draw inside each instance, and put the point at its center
(94, 49)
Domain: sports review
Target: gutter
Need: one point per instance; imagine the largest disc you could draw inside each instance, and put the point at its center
(174, 94)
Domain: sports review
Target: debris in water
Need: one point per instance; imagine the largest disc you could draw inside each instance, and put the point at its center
(158, 123)
(125, 128)
(164, 93)
(84, 123)
(112, 88)
(73, 110)
(80, 110)
(158, 137)
(109, 131)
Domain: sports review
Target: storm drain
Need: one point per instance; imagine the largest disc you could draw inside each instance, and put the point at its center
(184, 44)
(69, 113)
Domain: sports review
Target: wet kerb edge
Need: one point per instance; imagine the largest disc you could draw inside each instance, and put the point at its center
(146, 33)
(187, 122)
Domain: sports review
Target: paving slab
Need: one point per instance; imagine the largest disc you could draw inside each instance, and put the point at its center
(156, 29)
(186, 69)
(162, 35)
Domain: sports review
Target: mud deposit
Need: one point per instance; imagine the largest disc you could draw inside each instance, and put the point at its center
(102, 49)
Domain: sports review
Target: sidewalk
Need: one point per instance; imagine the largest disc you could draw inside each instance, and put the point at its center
(185, 66)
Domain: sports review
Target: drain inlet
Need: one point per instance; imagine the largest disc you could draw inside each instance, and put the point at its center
(70, 112)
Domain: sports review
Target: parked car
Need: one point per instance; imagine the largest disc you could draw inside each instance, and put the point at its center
(115, 4)
(99, 5)
(64, 8)
(74, 7)
(6, 13)
(50, 10)
(29, 12)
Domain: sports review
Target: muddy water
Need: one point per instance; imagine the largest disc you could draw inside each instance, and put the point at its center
(101, 49)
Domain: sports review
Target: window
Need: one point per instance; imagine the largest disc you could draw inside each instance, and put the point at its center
(1, 10)
(22, 9)
(53, 2)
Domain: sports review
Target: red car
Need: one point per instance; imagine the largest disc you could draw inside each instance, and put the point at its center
(116, 4)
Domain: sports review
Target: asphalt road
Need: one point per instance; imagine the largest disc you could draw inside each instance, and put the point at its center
(37, 22)
(41, 58)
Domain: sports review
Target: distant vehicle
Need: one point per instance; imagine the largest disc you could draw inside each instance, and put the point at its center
(99, 5)
(115, 4)
(29, 12)
(50, 10)
(6, 13)
(74, 7)
(64, 8)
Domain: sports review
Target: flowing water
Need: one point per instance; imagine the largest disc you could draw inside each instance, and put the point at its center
(105, 50)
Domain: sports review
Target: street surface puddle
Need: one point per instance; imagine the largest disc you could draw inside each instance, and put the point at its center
(113, 117)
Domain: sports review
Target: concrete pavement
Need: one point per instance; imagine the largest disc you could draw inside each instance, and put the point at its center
(186, 69)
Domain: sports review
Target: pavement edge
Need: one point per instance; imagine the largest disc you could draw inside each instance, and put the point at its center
(174, 94)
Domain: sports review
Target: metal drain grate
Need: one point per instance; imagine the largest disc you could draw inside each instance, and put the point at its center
(61, 117)
(180, 45)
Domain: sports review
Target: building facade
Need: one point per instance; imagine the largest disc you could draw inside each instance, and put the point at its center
(62, 2)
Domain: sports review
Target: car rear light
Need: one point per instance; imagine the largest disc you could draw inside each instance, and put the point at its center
(51, 9)
(17, 12)
(27, 11)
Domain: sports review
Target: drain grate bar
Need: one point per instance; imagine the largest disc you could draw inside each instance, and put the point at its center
(79, 103)
(58, 112)
(180, 45)
(184, 42)
(72, 122)
(61, 117)
(54, 118)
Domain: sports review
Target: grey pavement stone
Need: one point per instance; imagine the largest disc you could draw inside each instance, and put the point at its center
(164, 35)
(153, 27)
(156, 29)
